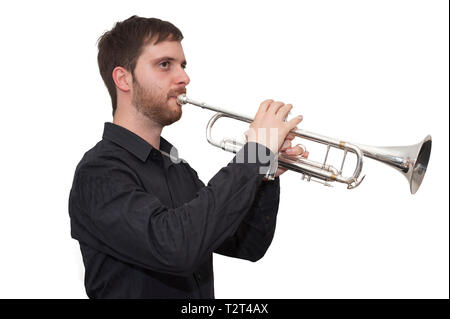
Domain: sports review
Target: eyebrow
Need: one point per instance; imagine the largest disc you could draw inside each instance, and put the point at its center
(169, 59)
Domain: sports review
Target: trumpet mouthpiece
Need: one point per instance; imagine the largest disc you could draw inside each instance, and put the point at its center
(182, 99)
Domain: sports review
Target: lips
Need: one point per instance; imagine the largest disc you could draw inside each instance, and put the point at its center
(176, 100)
(174, 95)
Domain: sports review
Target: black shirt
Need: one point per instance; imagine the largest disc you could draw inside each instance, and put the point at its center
(148, 227)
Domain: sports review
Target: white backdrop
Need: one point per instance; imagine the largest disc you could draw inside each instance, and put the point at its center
(372, 72)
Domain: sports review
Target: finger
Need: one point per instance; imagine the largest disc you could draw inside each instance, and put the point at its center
(305, 154)
(291, 124)
(265, 104)
(290, 136)
(295, 151)
(263, 108)
(286, 144)
(284, 111)
(274, 106)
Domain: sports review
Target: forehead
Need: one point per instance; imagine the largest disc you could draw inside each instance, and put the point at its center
(163, 49)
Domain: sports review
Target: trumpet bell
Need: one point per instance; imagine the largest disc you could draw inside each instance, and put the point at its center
(420, 166)
(411, 161)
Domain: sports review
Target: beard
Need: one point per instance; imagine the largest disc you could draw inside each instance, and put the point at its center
(156, 106)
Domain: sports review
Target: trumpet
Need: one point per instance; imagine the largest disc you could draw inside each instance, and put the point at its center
(411, 161)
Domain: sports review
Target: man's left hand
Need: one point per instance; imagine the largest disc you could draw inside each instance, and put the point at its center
(292, 151)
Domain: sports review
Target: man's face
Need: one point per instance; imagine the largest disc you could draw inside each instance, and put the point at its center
(159, 77)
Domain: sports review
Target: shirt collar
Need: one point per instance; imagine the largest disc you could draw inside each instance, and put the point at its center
(136, 144)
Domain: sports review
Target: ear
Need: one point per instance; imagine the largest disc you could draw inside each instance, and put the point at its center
(122, 78)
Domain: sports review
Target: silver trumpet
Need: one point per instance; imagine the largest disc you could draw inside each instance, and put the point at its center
(411, 161)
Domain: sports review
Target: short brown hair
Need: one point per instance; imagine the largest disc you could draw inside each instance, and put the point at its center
(122, 45)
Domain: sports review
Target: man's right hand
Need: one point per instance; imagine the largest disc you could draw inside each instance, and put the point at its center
(269, 127)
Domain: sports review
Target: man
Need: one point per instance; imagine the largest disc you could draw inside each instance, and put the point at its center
(147, 226)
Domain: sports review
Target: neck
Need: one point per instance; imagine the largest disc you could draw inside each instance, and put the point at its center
(140, 125)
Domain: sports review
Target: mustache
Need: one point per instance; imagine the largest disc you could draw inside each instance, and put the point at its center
(176, 92)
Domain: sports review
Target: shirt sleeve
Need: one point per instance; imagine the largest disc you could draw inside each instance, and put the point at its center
(255, 233)
(112, 213)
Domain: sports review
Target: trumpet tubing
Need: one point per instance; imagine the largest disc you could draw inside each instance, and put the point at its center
(411, 161)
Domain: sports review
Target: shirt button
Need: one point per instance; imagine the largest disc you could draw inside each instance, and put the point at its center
(155, 155)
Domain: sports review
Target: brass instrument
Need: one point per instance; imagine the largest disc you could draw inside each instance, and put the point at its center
(411, 161)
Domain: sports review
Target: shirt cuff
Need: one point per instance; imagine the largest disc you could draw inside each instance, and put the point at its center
(268, 194)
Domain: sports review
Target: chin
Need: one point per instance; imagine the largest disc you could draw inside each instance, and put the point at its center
(177, 116)
(173, 117)
(176, 110)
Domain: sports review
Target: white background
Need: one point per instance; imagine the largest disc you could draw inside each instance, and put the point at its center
(372, 72)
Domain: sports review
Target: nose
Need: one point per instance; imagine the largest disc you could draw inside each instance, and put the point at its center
(182, 77)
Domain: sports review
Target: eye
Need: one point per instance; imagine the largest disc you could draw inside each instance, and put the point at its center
(164, 65)
(183, 66)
